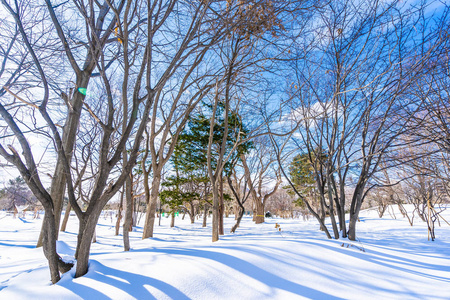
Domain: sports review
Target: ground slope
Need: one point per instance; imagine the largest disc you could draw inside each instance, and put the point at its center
(391, 260)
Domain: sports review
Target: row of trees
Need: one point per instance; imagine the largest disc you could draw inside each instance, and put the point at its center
(221, 95)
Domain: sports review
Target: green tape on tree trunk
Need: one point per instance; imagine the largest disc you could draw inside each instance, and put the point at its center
(82, 91)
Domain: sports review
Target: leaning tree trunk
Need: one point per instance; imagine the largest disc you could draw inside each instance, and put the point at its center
(66, 217)
(238, 220)
(354, 213)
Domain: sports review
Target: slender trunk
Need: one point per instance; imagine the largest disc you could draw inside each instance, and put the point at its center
(331, 206)
(205, 216)
(215, 214)
(119, 213)
(66, 217)
(151, 206)
(128, 213)
(192, 214)
(238, 220)
(342, 212)
(221, 206)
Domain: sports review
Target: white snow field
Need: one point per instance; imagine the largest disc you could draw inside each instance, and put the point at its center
(258, 262)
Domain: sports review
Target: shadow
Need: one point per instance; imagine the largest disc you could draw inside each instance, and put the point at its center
(15, 244)
(24, 221)
(388, 260)
(130, 283)
(248, 269)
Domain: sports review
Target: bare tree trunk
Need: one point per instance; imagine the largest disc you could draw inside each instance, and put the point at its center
(172, 219)
(238, 220)
(352, 228)
(259, 215)
(221, 206)
(205, 215)
(49, 245)
(151, 206)
(128, 211)
(66, 217)
(58, 185)
(94, 238)
(86, 233)
(215, 214)
(119, 213)
(192, 213)
(354, 213)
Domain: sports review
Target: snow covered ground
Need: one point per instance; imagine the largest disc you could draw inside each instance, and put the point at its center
(258, 262)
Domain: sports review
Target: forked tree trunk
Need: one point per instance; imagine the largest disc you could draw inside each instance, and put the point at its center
(58, 185)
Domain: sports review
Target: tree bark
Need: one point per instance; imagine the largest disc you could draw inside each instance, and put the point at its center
(172, 219)
(66, 217)
(49, 245)
(192, 213)
(119, 213)
(151, 206)
(205, 215)
(259, 215)
(85, 236)
(238, 220)
(215, 214)
(58, 185)
(221, 206)
(128, 213)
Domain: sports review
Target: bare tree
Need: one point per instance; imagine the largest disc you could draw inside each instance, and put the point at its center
(351, 92)
(261, 172)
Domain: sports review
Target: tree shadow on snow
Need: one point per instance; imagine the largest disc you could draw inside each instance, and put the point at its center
(130, 283)
(265, 277)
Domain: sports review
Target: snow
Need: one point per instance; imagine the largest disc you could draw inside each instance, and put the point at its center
(391, 260)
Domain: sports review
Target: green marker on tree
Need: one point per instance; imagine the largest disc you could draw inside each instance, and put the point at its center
(82, 91)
